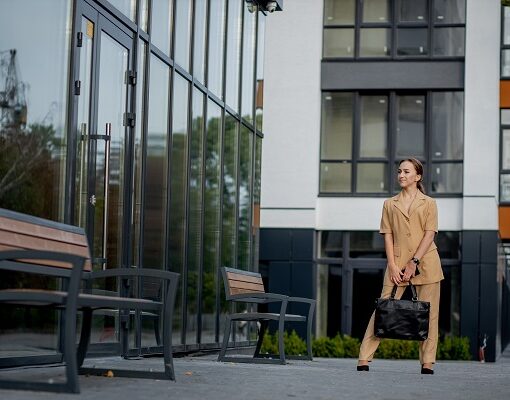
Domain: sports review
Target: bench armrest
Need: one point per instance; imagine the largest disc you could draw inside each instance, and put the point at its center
(260, 298)
(302, 300)
(133, 273)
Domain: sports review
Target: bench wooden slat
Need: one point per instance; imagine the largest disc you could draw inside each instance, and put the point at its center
(244, 278)
(234, 291)
(246, 285)
(20, 227)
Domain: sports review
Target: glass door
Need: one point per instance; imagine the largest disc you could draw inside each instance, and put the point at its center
(104, 123)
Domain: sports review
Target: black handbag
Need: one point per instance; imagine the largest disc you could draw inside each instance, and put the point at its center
(402, 319)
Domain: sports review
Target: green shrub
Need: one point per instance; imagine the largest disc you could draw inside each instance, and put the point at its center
(450, 348)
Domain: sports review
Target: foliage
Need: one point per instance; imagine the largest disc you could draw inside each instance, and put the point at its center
(450, 348)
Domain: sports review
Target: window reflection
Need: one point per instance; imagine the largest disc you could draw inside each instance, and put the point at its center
(413, 10)
(375, 42)
(376, 11)
(233, 54)
(215, 54)
(259, 89)
(450, 11)
(182, 33)
(339, 12)
(161, 24)
(374, 126)
(448, 125)
(335, 177)
(449, 42)
(366, 244)
(245, 191)
(331, 244)
(126, 7)
(338, 43)
(249, 33)
(372, 178)
(412, 42)
(200, 12)
(411, 126)
(337, 112)
(446, 178)
(211, 219)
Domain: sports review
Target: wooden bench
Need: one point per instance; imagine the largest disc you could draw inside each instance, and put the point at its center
(247, 287)
(47, 248)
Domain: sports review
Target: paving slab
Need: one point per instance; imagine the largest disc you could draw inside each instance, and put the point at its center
(202, 377)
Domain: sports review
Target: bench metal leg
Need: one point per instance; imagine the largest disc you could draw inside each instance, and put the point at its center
(281, 346)
(309, 332)
(262, 332)
(86, 327)
(226, 336)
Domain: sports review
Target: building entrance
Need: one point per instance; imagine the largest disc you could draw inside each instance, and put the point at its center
(103, 81)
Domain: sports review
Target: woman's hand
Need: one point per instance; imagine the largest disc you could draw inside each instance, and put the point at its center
(409, 271)
(395, 274)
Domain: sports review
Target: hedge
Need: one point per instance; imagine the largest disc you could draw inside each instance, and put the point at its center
(449, 348)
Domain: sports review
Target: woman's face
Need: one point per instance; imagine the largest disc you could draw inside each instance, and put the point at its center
(407, 176)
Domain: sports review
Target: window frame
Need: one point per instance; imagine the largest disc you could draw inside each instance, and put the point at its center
(391, 158)
(394, 25)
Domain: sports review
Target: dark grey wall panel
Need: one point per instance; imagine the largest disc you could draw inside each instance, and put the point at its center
(471, 247)
(302, 244)
(469, 305)
(351, 75)
(489, 247)
(489, 309)
(275, 244)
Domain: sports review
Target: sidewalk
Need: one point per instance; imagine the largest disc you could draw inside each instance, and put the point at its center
(202, 378)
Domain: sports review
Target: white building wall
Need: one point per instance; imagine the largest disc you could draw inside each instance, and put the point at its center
(291, 125)
(481, 128)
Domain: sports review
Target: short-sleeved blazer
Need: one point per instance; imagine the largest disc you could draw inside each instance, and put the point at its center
(408, 231)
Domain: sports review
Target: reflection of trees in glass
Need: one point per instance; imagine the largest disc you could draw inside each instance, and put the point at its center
(27, 169)
(245, 176)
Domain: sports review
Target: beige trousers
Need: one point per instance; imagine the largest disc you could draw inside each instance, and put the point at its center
(428, 347)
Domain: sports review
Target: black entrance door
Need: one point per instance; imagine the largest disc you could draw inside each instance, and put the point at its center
(103, 86)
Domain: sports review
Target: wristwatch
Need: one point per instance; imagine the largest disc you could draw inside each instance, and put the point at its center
(416, 262)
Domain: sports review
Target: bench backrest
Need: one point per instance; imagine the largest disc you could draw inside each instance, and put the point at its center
(21, 231)
(241, 282)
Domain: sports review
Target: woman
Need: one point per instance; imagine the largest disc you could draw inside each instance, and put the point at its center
(409, 224)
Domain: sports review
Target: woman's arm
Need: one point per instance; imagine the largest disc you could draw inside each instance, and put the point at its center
(426, 241)
(393, 270)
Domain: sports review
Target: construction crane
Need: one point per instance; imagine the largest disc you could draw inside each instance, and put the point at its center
(13, 104)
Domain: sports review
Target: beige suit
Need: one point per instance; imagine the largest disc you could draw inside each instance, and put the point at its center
(408, 230)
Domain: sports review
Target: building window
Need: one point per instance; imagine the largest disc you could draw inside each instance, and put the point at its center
(365, 135)
(504, 193)
(394, 29)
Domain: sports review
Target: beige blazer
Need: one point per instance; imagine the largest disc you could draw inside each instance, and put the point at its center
(408, 231)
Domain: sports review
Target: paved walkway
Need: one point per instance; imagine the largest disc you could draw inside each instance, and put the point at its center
(202, 378)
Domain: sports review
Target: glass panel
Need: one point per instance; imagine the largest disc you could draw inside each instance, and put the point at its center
(182, 33)
(505, 117)
(505, 150)
(504, 191)
(335, 177)
(446, 178)
(412, 42)
(505, 63)
(195, 214)
(336, 138)
(449, 42)
(376, 11)
(375, 42)
(256, 202)
(410, 126)
(249, 35)
(144, 15)
(259, 89)
(126, 7)
(331, 244)
(230, 152)
(339, 12)
(366, 245)
(448, 245)
(447, 125)
(82, 133)
(34, 48)
(245, 191)
(506, 25)
(450, 11)
(212, 220)
(200, 25)
(161, 28)
(112, 99)
(372, 178)
(215, 55)
(155, 190)
(374, 126)
(338, 43)
(233, 54)
(138, 155)
(413, 10)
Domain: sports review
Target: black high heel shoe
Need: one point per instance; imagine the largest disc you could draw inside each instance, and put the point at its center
(362, 368)
(427, 371)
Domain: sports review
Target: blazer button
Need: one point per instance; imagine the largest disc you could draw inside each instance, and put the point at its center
(408, 234)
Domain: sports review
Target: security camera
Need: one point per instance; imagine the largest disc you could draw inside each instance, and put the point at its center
(271, 6)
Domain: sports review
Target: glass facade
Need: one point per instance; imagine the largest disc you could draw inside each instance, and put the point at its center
(146, 137)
